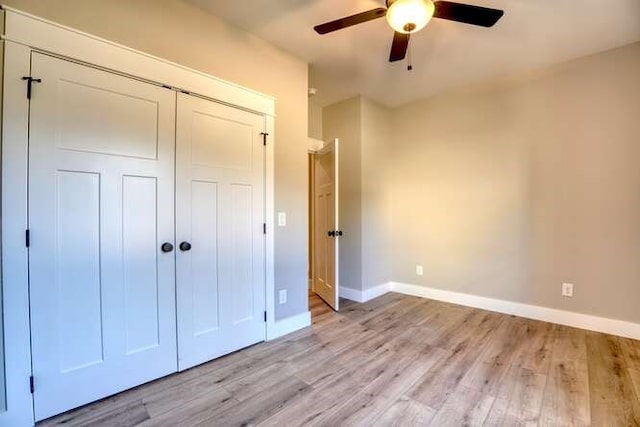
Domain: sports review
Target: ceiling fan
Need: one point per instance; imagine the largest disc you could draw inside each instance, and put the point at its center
(410, 16)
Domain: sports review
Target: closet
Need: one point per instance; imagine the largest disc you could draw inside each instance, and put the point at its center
(146, 218)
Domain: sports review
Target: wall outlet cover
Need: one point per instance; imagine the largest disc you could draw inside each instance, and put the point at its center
(567, 289)
(419, 270)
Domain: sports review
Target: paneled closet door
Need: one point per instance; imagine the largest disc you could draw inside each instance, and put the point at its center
(101, 205)
(219, 229)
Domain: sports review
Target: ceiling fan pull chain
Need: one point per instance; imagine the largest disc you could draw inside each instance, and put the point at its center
(410, 55)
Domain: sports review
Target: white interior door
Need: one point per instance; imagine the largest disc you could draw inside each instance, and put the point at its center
(327, 226)
(101, 203)
(220, 217)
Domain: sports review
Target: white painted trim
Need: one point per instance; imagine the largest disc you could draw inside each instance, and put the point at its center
(269, 218)
(568, 318)
(377, 291)
(314, 145)
(47, 36)
(352, 294)
(14, 223)
(545, 314)
(289, 325)
(366, 295)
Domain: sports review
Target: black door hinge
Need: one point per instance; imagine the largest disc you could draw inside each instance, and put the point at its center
(265, 316)
(264, 137)
(30, 81)
(264, 228)
(27, 237)
(32, 384)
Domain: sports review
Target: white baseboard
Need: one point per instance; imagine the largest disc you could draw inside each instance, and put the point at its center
(545, 314)
(351, 294)
(377, 291)
(289, 325)
(568, 318)
(366, 295)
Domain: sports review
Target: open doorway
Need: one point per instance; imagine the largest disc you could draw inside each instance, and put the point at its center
(324, 230)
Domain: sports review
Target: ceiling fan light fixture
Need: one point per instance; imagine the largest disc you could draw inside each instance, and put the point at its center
(409, 16)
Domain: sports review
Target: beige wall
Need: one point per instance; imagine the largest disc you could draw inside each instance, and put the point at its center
(342, 120)
(363, 128)
(509, 189)
(315, 120)
(184, 34)
(375, 193)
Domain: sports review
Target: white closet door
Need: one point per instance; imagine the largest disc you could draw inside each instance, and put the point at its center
(101, 203)
(220, 215)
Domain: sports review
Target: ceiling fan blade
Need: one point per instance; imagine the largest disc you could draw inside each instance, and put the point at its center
(474, 15)
(399, 47)
(348, 21)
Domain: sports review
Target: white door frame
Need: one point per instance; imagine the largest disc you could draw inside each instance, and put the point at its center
(24, 33)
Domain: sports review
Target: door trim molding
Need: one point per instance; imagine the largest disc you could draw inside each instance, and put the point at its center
(269, 218)
(23, 34)
(15, 269)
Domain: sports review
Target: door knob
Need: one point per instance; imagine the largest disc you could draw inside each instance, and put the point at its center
(331, 233)
(185, 246)
(166, 247)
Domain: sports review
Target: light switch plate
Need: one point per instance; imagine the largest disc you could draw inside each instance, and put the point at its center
(282, 296)
(282, 219)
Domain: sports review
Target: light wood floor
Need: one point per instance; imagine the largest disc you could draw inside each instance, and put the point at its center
(398, 360)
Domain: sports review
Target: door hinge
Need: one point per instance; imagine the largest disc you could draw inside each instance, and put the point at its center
(265, 316)
(27, 237)
(264, 228)
(30, 81)
(264, 137)
(32, 384)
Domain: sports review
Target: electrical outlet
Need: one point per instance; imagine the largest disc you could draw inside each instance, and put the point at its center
(567, 289)
(282, 296)
(419, 270)
(282, 219)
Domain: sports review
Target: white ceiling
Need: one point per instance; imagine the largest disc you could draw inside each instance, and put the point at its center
(532, 34)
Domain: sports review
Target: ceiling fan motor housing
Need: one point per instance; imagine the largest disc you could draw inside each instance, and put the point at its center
(409, 16)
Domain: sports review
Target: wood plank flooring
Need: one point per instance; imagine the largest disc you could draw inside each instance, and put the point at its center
(397, 361)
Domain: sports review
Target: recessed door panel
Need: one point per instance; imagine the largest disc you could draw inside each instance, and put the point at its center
(101, 202)
(220, 212)
(139, 244)
(104, 120)
(210, 142)
(241, 254)
(204, 261)
(77, 278)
